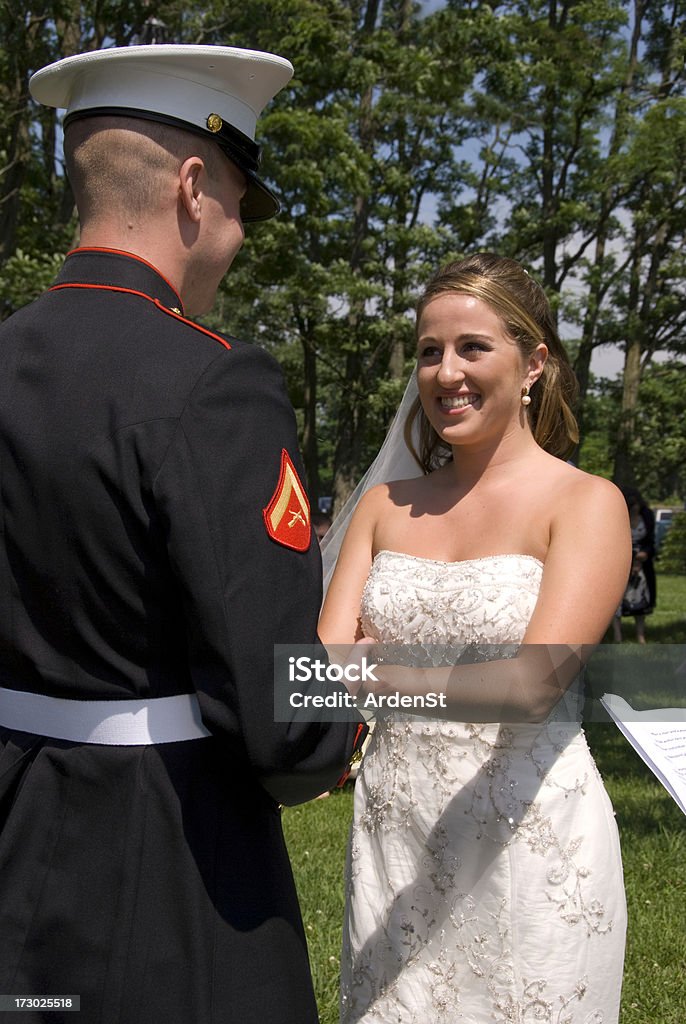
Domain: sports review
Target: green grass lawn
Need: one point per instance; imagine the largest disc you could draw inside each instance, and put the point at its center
(653, 834)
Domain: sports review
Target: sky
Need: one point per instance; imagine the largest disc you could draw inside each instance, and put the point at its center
(607, 361)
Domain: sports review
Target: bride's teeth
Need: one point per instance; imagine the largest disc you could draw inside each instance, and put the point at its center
(455, 402)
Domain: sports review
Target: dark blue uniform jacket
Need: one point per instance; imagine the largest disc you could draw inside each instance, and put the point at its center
(137, 453)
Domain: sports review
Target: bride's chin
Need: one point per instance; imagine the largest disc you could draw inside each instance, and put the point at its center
(448, 434)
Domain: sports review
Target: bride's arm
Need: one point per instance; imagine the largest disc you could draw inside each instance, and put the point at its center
(340, 618)
(584, 577)
(586, 568)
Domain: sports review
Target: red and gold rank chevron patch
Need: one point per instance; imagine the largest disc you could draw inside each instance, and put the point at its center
(287, 516)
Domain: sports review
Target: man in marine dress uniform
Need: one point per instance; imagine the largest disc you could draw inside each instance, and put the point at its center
(155, 546)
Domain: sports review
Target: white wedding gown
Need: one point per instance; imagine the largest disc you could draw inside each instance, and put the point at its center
(484, 880)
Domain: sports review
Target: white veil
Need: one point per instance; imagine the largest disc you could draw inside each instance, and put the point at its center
(394, 462)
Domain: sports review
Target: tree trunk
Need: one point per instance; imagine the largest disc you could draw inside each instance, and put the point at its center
(310, 448)
(623, 469)
(623, 474)
(352, 414)
(598, 282)
(349, 445)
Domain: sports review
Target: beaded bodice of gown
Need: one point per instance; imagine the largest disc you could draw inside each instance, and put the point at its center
(480, 600)
(484, 878)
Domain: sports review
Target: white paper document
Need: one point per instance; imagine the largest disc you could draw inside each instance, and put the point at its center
(659, 736)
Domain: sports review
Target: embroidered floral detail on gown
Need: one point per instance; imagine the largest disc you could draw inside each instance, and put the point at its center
(484, 878)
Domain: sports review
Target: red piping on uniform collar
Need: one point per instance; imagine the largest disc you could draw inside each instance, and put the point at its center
(131, 255)
(142, 295)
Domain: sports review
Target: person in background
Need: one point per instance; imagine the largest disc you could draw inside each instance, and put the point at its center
(321, 523)
(641, 591)
(156, 546)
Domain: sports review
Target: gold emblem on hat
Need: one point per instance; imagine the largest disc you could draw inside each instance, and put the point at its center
(215, 123)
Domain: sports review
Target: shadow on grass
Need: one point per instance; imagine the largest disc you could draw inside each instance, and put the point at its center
(656, 633)
(648, 676)
(668, 633)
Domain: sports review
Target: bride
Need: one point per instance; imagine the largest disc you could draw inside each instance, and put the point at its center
(484, 880)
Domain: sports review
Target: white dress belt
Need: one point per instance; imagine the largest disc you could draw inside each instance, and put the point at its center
(117, 723)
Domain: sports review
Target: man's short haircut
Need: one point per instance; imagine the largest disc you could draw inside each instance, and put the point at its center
(119, 162)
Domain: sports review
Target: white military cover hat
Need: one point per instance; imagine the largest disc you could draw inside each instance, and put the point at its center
(214, 91)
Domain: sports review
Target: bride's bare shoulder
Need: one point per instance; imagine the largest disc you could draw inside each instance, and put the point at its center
(398, 493)
(574, 486)
(381, 500)
(395, 491)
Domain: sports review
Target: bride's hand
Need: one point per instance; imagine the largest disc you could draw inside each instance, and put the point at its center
(362, 675)
(357, 657)
(379, 678)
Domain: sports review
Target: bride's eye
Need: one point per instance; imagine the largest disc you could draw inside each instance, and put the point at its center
(428, 351)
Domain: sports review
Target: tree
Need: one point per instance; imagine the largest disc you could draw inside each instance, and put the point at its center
(658, 450)
(654, 314)
(551, 130)
(36, 204)
(600, 272)
(633, 292)
(363, 139)
(673, 550)
(541, 102)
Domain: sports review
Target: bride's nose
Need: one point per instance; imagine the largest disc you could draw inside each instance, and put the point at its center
(450, 372)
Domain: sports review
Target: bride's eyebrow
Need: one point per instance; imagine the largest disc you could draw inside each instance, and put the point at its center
(461, 338)
(476, 337)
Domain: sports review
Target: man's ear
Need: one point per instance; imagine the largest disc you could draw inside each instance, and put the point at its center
(190, 186)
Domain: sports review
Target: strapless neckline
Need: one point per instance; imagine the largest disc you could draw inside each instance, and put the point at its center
(459, 561)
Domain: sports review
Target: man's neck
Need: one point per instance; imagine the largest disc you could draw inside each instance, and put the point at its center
(138, 243)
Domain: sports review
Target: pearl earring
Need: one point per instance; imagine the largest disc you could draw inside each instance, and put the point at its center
(525, 399)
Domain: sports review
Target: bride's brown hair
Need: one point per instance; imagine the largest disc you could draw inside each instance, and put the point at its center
(521, 304)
